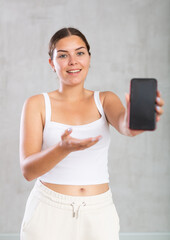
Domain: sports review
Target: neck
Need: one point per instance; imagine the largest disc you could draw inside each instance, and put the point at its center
(72, 93)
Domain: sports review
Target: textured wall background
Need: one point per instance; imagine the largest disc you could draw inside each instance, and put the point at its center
(129, 38)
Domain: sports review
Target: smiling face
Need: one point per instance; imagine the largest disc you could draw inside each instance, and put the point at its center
(71, 60)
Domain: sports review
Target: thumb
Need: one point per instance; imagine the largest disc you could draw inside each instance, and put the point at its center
(127, 97)
(66, 133)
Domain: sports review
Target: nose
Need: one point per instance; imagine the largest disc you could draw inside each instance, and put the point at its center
(72, 60)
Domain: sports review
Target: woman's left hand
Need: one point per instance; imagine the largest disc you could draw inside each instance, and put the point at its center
(158, 108)
(159, 105)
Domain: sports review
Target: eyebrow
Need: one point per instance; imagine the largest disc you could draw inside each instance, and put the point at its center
(67, 51)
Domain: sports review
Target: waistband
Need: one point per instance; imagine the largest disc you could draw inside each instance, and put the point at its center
(59, 197)
(59, 200)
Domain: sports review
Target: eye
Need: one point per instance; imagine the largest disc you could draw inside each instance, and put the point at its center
(80, 53)
(62, 56)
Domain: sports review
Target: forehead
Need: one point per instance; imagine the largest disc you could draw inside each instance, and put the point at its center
(70, 43)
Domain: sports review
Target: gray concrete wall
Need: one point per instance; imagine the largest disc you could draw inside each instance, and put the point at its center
(129, 38)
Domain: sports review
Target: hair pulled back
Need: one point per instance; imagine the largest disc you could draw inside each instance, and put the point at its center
(65, 32)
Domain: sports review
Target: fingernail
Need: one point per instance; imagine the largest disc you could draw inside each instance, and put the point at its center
(69, 129)
(158, 99)
(93, 140)
(158, 108)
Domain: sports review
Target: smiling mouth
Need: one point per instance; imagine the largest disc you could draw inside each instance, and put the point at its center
(74, 71)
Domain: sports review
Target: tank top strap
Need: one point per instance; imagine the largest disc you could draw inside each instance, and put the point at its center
(98, 102)
(47, 108)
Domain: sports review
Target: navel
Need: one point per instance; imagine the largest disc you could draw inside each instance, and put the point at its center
(82, 189)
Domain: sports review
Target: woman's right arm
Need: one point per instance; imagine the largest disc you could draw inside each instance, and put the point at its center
(35, 162)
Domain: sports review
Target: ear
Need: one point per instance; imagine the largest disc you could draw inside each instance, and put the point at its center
(51, 63)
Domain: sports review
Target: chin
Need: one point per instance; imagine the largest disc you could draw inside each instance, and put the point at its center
(73, 82)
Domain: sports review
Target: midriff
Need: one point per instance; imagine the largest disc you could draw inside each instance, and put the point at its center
(78, 190)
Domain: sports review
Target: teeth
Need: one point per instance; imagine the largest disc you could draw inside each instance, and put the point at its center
(74, 71)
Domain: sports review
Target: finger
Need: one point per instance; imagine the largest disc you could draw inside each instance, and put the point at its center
(94, 139)
(158, 93)
(127, 97)
(87, 141)
(159, 110)
(66, 133)
(127, 116)
(84, 143)
(87, 145)
(92, 142)
(157, 118)
(159, 101)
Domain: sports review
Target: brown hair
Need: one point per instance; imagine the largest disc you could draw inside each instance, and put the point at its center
(65, 32)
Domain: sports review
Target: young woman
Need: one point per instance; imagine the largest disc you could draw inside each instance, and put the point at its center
(64, 141)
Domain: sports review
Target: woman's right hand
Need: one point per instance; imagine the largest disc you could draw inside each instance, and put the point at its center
(73, 144)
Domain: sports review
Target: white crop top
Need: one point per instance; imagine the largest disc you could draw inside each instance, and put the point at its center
(83, 167)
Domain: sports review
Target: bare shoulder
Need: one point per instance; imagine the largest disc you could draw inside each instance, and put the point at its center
(34, 100)
(108, 96)
(35, 105)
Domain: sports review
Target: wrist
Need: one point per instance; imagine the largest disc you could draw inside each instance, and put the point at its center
(63, 149)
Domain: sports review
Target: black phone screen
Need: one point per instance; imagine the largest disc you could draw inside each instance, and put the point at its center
(142, 103)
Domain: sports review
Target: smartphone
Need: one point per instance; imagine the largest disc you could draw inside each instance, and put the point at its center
(142, 114)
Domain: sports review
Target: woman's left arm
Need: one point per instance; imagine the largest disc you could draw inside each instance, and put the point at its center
(117, 114)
